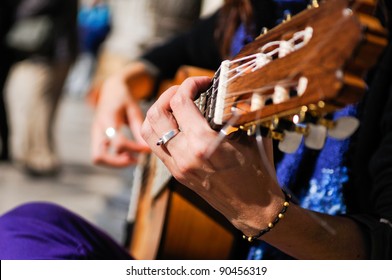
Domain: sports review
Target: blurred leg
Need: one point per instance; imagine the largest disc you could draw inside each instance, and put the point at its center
(40, 157)
(47, 231)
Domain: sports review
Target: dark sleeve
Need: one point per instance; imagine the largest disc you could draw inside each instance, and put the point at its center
(64, 18)
(7, 12)
(372, 190)
(196, 47)
(378, 233)
(29, 8)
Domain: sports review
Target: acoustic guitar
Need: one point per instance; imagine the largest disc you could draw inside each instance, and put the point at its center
(281, 85)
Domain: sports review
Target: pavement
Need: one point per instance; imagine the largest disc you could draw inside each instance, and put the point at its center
(100, 195)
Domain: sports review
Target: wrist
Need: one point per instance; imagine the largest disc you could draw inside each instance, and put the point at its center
(269, 219)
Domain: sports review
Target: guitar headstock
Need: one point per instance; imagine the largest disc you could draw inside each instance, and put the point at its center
(288, 79)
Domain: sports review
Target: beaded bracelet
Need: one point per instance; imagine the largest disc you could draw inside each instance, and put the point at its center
(286, 204)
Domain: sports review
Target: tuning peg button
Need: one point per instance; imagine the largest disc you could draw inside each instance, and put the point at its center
(290, 142)
(315, 138)
(286, 16)
(313, 4)
(343, 128)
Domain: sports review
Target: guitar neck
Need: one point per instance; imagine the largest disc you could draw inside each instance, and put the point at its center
(302, 69)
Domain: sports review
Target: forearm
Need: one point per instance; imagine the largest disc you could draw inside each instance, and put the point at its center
(304, 234)
(119, 94)
(117, 106)
(137, 77)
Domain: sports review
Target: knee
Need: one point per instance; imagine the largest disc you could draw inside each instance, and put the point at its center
(38, 231)
(33, 211)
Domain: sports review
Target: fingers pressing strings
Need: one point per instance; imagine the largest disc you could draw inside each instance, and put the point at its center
(159, 117)
(187, 115)
(159, 122)
(183, 107)
(185, 112)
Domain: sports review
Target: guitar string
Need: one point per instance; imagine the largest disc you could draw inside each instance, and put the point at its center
(284, 83)
(282, 46)
(266, 88)
(221, 136)
(251, 62)
(325, 39)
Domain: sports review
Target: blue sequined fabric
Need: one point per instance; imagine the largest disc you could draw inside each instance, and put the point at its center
(324, 190)
(325, 193)
(241, 39)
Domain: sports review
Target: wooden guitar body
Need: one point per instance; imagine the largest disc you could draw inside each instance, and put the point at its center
(176, 223)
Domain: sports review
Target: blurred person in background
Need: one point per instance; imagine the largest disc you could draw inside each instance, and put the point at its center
(94, 25)
(156, 22)
(44, 33)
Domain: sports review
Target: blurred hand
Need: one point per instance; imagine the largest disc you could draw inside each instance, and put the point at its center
(116, 108)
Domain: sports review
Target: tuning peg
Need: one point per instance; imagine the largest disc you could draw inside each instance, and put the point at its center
(290, 142)
(313, 4)
(252, 130)
(343, 127)
(228, 129)
(263, 31)
(302, 85)
(286, 16)
(281, 94)
(287, 133)
(315, 137)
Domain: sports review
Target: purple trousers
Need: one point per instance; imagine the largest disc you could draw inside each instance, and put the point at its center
(46, 231)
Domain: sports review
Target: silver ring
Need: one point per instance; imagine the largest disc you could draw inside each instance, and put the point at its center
(110, 132)
(167, 136)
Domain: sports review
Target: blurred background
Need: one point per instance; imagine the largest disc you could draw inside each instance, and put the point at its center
(110, 34)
